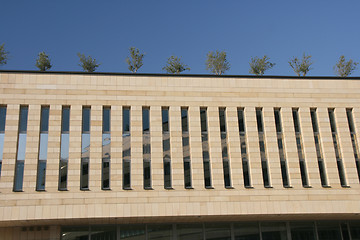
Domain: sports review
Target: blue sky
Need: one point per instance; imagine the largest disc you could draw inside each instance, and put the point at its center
(105, 30)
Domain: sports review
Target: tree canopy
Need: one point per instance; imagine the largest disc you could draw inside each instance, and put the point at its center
(301, 66)
(135, 61)
(344, 68)
(258, 66)
(175, 66)
(43, 62)
(217, 62)
(4, 55)
(88, 63)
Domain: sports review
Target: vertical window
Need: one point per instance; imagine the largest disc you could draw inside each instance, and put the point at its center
(85, 149)
(336, 143)
(319, 155)
(146, 147)
(43, 148)
(244, 155)
(186, 147)
(106, 140)
(2, 132)
(166, 148)
(126, 137)
(353, 139)
(64, 148)
(264, 162)
(303, 171)
(21, 149)
(279, 133)
(224, 148)
(205, 148)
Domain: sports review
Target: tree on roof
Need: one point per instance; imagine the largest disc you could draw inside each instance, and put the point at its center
(135, 61)
(175, 66)
(258, 66)
(43, 62)
(344, 68)
(88, 63)
(4, 55)
(217, 62)
(301, 66)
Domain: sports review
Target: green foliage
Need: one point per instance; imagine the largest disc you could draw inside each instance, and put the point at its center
(88, 63)
(136, 59)
(175, 66)
(4, 55)
(344, 68)
(258, 66)
(217, 62)
(301, 66)
(43, 62)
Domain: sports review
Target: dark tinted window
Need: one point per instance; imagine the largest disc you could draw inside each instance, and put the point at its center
(86, 119)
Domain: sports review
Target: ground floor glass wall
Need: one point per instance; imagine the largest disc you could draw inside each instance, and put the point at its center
(306, 230)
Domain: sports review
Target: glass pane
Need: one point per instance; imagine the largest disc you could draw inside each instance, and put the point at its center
(259, 120)
(355, 230)
(106, 140)
(2, 118)
(23, 119)
(85, 145)
(84, 178)
(241, 121)
(103, 232)
(40, 183)
(21, 146)
(350, 120)
(126, 147)
(126, 174)
(166, 145)
(106, 119)
(207, 174)
(19, 175)
(217, 231)
(147, 174)
(105, 175)
(65, 119)
(302, 231)
(145, 119)
(203, 120)
(43, 146)
(44, 123)
(226, 168)
(314, 120)
(187, 174)
(2, 136)
(184, 120)
(146, 146)
(277, 120)
(63, 175)
(273, 231)
(296, 120)
(165, 119)
(246, 231)
(222, 119)
(75, 233)
(332, 120)
(160, 232)
(86, 120)
(328, 231)
(132, 232)
(246, 174)
(167, 174)
(64, 148)
(126, 119)
(189, 231)
(265, 172)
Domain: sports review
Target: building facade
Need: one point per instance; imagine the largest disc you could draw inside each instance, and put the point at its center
(152, 156)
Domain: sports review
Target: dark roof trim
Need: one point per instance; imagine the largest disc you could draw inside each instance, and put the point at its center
(174, 75)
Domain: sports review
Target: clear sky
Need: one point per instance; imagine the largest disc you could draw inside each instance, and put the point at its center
(106, 29)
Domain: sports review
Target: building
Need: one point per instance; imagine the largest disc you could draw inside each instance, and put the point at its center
(155, 156)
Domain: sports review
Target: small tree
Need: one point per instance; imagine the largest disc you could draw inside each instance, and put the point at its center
(343, 68)
(135, 61)
(301, 66)
(217, 62)
(258, 66)
(88, 63)
(175, 66)
(4, 55)
(43, 62)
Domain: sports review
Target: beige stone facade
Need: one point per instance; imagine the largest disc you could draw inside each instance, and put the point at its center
(52, 208)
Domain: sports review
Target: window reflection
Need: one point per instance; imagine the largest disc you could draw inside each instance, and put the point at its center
(64, 147)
